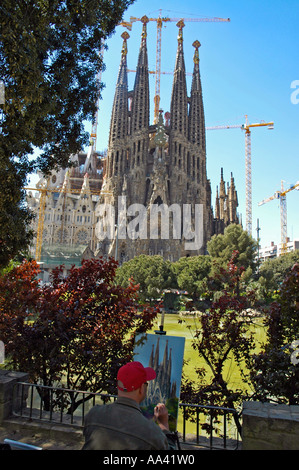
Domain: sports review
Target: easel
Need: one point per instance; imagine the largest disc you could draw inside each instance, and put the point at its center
(161, 331)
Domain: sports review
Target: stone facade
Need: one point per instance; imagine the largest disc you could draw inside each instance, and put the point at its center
(162, 164)
(8, 380)
(268, 426)
(68, 211)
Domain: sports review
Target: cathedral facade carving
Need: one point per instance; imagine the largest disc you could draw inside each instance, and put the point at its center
(162, 164)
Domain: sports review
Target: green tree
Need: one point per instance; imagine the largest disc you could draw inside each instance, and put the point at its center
(49, 60)
(152, 274)
(234, 238)
(15, 218)
(272, 272)
(275, 372)
(191, 273)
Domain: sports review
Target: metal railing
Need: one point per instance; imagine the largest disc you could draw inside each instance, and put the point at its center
(69, 407)
(55, 404)
(217, 435)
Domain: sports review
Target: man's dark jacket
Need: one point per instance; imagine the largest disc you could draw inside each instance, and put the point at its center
(121, 425)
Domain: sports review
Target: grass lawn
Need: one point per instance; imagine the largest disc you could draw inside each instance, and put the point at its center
(231, 374)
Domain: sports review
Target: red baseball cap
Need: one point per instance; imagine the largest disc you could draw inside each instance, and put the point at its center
(133, 375)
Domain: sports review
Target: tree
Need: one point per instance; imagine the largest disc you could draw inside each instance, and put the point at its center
(272, 272)
(152, 274)
(15, 236)
(234, 238)
(221, 334)
(77, 331)
(191, 273)
(49, 60)
(275, 372)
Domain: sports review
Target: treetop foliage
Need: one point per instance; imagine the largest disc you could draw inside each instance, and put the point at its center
(49, 60)
(199, 275)
(273, 271)
(152, 274)
(191, 274)
(234, 238)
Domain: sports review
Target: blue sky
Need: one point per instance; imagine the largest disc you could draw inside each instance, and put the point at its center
(247, 68)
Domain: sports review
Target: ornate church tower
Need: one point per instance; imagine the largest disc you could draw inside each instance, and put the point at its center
(119, 126)
(161, 165)
(226, 205)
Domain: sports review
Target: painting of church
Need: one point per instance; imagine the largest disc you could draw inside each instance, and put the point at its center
(165, 355)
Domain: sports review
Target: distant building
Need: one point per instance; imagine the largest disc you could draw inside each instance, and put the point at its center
(68, 232)
(274, 250)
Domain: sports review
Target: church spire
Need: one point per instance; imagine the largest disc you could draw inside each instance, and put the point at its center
(196, 112)
(233, 201)
(119, 117)
(217, 205)
(222, 198)
(179, 99)
(140, 105)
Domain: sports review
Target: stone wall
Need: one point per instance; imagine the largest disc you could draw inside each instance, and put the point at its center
(8, 379)
(268, 426)
(46, 435)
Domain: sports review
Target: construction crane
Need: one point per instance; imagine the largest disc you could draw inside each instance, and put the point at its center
(160, 20)
(42, 204)
(93, 135)
(281, 195)
(248, 187)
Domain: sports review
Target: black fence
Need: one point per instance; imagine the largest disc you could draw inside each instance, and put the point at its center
(201, 425)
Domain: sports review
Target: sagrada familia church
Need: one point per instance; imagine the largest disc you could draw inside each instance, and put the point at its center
(161, 164)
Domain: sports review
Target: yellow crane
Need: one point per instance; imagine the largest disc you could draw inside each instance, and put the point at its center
(44, 190)
(248, 187)
(281, 195)
(160, 20)
(93, 135)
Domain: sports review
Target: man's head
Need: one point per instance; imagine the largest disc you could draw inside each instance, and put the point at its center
(132, 380)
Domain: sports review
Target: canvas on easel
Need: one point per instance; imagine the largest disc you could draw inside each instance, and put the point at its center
(165, 355)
